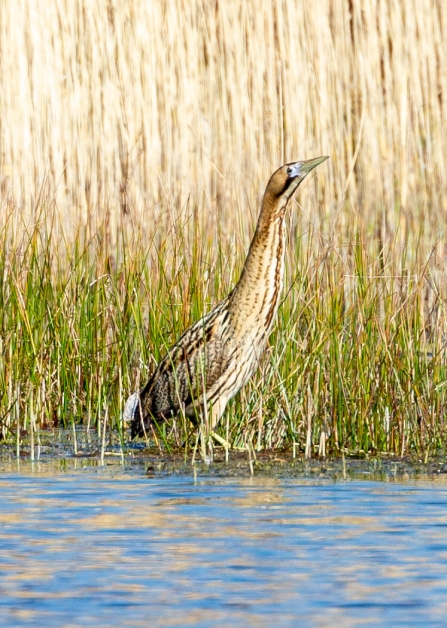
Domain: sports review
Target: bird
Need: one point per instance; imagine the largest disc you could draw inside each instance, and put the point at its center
(217, 355)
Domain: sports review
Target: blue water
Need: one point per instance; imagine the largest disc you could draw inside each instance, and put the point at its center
(110, 548)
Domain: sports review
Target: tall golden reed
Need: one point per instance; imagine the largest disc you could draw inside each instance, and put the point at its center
(127, 109)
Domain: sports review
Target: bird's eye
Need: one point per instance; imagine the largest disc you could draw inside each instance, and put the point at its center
(289, 171)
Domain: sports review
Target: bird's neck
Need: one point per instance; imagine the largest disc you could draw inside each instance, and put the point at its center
(256, 295)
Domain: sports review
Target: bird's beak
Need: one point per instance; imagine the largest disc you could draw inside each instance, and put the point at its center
(306, 166)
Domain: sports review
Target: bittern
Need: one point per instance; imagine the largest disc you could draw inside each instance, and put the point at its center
(215, 357)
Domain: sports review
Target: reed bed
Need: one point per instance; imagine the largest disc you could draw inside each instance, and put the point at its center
(136, 140)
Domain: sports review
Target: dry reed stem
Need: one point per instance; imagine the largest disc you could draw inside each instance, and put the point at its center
(123, 111)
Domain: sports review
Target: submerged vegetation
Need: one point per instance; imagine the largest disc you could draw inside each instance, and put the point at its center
(130, 189)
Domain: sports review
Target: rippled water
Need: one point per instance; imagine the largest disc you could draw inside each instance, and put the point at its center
(110, 547)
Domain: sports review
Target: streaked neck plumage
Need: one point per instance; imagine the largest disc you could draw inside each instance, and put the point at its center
(258, 290)
(255, 299)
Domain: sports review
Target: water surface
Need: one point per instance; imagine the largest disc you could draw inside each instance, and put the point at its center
(112, 547)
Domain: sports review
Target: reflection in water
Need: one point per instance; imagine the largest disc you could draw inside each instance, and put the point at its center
(111, 548)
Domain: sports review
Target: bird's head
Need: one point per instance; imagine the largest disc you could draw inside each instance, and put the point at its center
(286, 179)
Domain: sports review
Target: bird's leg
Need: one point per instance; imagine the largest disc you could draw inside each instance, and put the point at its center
(208, 420)
(225, 444)
(216, 412)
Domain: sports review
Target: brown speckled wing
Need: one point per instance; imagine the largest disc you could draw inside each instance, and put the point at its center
(191, 366)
